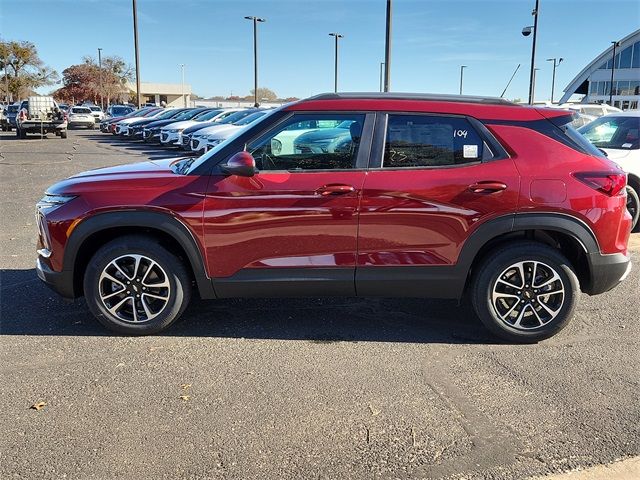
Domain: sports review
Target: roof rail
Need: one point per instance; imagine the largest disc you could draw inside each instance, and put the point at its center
(433, 97)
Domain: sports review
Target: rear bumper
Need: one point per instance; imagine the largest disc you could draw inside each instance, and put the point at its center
(607, 271)
(59, 282)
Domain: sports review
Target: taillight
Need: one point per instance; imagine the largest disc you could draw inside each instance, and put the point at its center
(611, 184)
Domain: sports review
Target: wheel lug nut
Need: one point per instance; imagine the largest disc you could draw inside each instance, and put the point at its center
(128, 292)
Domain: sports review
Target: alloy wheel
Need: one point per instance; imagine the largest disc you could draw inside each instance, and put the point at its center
(528, 295)
(134, 288)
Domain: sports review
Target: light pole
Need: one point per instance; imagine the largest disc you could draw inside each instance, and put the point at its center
(335, 81)
(6, 79)
(135, 44)
(553, 78)
(462, 67)
(184, 98)
(381, 76)
(533, 82)
(526, 31)
(613, 68)
(255, 58)
(100, 73)
(387, 50)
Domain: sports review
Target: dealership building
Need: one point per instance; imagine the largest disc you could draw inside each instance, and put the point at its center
(172, 94)
(594, 81)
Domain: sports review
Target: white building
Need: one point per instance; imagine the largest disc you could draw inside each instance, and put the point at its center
(173, 94)
(594, 81)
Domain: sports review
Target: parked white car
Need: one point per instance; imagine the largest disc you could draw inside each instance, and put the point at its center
(96, 111)
(593, 109)
(172, 134)
(122, 127)
(81, 117)
(618, 135)
(221, 135)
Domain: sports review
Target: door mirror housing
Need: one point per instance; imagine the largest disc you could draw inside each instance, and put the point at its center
(241, 164)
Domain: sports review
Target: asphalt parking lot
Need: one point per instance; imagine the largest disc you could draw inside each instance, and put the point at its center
(303, 388)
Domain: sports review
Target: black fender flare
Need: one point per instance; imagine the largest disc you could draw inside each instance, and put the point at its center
(147, 219)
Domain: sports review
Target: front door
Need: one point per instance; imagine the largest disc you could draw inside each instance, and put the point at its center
(291, 229)
(435, 179)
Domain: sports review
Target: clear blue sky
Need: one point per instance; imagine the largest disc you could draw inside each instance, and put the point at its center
(431, 39)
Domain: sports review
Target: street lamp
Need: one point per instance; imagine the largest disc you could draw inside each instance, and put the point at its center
(553, 78)
(526, 31)
(462, 67)
(255, 57)
(184, 98)
(387, 50)
(613, 68)
(100, 74)
(535, 74)
(381, 76)
(135, 44)
(335, 82)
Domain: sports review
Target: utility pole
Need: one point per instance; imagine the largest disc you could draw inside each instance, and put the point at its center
(553, 78)
(613, 69)
(135, 44)
(533, 51)
(462, 67)
(100, 73)
(6, 80)
(184, 98)
(255, 58)
(381, 76)
(387, 50)
(335, 82)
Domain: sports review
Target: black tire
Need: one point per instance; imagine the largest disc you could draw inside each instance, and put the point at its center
(171, 270)
(21, 133)
(63, 134)
(633, 205)
(531, 328)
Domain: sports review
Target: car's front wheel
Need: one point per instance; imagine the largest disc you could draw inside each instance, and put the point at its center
(525, 292)
(135, 286)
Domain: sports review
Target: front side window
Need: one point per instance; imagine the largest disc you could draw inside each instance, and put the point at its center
(310, 142)
(430, 141)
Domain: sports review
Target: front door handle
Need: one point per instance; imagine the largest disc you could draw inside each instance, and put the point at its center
(487, 187)
(335, 189)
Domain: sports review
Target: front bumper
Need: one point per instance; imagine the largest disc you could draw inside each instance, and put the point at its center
(171, 137)
(607, 271)
(59, 282)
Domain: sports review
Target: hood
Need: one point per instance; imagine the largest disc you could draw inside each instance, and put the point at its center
(224, 133)
(182, 124)
(129, 120)
(159, 123)
(150, 174)
(197, 127)
(215, 128)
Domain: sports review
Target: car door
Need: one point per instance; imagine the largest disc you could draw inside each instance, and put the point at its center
(433, 179)
(291, 229)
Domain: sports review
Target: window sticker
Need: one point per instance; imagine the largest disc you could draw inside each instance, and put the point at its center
(627, 145)
(470, 151)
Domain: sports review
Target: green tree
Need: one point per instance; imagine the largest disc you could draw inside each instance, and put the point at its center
(23, 69)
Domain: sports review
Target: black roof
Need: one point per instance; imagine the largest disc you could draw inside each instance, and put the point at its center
(434, 97)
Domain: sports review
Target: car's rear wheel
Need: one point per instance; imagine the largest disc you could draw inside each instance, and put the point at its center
(135, 286)
(525, 292)
(633, 205)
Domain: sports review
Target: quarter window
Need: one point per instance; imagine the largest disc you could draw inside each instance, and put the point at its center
(430, 141)
(310, 142)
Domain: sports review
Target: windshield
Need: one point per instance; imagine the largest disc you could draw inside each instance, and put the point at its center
(234, 117)
(95, 109)
(250, 118)
(119, 110)
(620, 133)
(188, 115)
(195, 163)
(206, 115)
(168, 114)
(12, 108)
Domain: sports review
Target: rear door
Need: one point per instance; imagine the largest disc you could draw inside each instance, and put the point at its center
(433, 180)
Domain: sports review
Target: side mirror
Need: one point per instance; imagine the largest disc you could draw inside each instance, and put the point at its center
(241, 164)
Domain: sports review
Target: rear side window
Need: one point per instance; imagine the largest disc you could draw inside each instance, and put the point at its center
(430, 141)
(80, 110)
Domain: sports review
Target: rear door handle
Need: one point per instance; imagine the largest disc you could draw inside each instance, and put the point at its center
(335, 189)
(487, 187)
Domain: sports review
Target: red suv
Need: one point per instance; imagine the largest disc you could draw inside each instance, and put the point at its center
(351, 194)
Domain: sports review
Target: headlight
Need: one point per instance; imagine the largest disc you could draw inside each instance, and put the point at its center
(50, 202)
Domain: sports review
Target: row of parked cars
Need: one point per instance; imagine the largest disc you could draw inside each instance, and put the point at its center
(196, 129)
